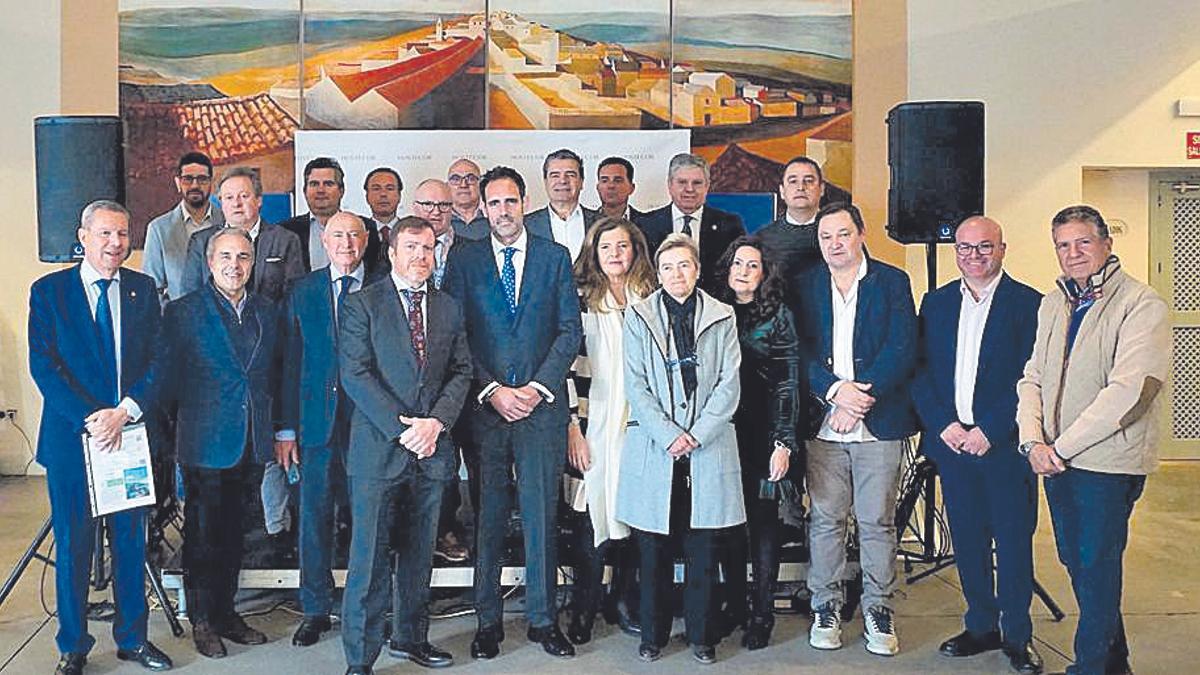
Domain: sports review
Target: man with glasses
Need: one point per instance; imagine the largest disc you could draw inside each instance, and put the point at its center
(968, 409)
(564, 220)
(467, 217)
(167, 235)
(384, 189)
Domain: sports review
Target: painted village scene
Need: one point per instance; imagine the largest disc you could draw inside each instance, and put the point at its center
(237, 82)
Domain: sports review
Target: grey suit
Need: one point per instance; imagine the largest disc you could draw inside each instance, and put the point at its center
(278, 262)
(380, 374)
(166, 247)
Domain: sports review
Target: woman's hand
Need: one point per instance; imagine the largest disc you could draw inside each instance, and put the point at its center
(780, 460)
(578, 453)
(683, 445)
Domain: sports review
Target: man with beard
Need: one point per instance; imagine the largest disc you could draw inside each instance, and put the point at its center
(167, 235)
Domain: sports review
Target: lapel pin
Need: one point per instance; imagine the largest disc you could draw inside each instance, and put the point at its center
(133, 294)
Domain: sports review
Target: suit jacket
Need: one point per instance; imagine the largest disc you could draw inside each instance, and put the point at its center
(311, 399)
(1008, 337)
(538, 222)
(222, 403)
(380, 374)
(375, 258)
(539, 344)
(277, 262)
(64, 359)
(717, 231)
(165, 255)
(636, 217)
(885, 342)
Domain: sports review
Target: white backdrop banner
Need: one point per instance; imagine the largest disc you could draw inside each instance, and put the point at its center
(418, 155)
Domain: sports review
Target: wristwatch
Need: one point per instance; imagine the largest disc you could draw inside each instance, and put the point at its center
(1025, 447)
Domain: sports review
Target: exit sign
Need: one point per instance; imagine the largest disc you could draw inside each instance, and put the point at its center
(1193, 145)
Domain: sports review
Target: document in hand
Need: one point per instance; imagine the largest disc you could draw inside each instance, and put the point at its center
(120, 479)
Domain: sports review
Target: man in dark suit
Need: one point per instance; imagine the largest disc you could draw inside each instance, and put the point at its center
(384, 191)
(713, 229)
(406, 367)
(563, 219)
(522, 316)
(976, 335)
(316, 412)
(222, 345)
(614, 185)
(324, 187)
(791, 240)
(467, 218)
(277, 253)
(93, 334)
(861, 337)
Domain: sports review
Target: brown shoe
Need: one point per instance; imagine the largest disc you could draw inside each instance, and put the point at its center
(236, 630)
(450, 549)
(208, 643)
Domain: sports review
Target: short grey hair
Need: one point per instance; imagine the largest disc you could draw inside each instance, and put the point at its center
(226, 232)
(242, 172)
(678, 240)
(90, 211)
(686, 160)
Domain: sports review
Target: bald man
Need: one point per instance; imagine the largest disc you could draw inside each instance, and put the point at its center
(976, 334)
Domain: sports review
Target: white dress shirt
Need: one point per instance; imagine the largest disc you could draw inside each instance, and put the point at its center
(677, 222)
(568, 232)
(972, 317)
(89, 275)
(845, 311)
(520, 244)
(787, 217)
(317, 258)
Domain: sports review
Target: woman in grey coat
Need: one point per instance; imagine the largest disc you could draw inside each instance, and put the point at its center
(680, 475)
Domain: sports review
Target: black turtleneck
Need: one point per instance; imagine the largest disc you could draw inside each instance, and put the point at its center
(682, 317)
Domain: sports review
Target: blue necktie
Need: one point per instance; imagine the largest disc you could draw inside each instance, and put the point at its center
(108, 342)
(342, 293)
(508, 275)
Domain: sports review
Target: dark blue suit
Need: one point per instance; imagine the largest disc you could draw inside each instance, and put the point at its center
(64, 358)
(223, 379)
(885, 342)
(313, 405)
(715, 232)
(993, 497)
(538, 345)
(538, 222)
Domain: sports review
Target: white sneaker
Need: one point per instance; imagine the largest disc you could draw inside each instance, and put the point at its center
(879, 632)
(826, 631)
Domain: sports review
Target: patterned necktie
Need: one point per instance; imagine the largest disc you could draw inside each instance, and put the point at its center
(108, 342)
(346, 281)
(508, 275)
(416, 324)
(687, 225)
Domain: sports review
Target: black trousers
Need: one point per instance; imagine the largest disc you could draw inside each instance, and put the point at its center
(588, 563)
(213, 527)
(657, 562)
(763, 528)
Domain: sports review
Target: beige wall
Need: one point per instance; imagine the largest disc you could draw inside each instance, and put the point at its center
(1069, 85)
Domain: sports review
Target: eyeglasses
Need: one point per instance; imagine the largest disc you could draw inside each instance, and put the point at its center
(983, 248)
(463, 179)
(198, 180)
(429, 206)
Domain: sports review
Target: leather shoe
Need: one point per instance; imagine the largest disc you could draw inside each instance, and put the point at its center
(360, 670)
(208, 642)
(1024, 659)
(649, 653)
(580, 630)
(758, 632)
(310, 630)
(147, 656)
(71, 664)
(967, 643)
(705, 654)
(552, 640)
(486, 644)
(236, 630)
(422, 654)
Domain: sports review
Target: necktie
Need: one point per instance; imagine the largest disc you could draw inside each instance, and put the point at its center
(385, 234)
(439, 263)
(343, 292)
(508, 275)
(108, 342)
(687, 225)
(416, 324)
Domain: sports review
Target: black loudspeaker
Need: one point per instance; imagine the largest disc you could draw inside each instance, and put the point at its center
(935, 153)
(79, 160)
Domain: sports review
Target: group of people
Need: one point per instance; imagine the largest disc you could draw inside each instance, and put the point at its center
(673, 379)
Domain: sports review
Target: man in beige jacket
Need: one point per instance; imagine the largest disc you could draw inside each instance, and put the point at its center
(1088, 415)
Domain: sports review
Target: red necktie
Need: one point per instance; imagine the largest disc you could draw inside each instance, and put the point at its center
(416, 324)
